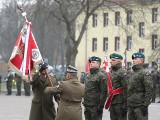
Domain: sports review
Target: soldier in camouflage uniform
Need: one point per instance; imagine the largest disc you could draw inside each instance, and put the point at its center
(118, 106)
(95, 91)
(139, 89)
(154, 74)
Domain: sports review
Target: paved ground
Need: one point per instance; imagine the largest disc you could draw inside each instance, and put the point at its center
(18, 108)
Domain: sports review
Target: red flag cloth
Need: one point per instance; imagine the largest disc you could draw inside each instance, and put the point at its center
(87, 66)
(105, 64)
(25, 53)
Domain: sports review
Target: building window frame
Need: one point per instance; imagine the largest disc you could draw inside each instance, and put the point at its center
(141, 50)
(117, 18)
(154, 15)
(117, 43)
(141, 29)
(94, 20)
(129, 17)
(154, 42)
(94, 44)
(105, 19)
(129, 43)
(105, 44)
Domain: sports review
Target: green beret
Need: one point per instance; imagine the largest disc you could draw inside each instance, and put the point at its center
(71, 69)
(116, 56)
(138, 55)
(94, 58)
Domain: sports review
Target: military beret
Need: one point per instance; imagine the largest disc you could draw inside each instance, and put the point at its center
(94, 58)
(116, 56)
(138, 55)
(71, 69)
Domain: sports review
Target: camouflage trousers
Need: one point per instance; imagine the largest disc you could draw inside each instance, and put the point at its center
(117, 113)
(136, 114)
(91, 113)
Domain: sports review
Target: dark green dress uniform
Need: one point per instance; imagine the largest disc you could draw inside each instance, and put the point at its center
(95, 93)
(139, 91)
(9, 79)
(118, 107)
(42, 107)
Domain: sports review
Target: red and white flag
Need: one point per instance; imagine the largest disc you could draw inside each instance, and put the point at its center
(26, 53)
(87, 66)
(105, 64)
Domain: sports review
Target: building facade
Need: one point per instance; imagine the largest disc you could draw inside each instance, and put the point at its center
(121, 29)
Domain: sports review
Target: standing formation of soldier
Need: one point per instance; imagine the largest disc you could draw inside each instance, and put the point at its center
(127, 94)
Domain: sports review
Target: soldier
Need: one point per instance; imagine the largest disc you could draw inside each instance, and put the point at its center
(139, 89)
(8, 80)
(154, 74)
(95, 91)
(42, 107)
(71, 92)
(117, 89)
(18, 79)
(26, 88)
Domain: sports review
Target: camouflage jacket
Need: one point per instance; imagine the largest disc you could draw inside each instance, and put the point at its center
(118, 79)
(139, 88)
(95, 89)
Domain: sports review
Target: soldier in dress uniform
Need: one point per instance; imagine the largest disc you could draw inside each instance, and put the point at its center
(42, 107)
(95, 91)
(139, 89)
(71, 92)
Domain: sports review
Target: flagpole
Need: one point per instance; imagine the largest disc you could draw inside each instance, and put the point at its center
(24, 15)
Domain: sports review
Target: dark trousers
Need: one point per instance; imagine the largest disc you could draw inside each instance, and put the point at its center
(136, 114)
(91, 113)
(116, 112)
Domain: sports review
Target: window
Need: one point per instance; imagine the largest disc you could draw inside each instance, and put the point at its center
(94, 44)
(105, 44)
(141, 50)
(94, 20)
(154, 14)
(117, 43)
(129, 17)
(105, 19)
(129, 42)
(141, 29)
(117, 18)
(154, 42)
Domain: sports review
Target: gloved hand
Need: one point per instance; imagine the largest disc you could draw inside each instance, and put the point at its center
(48, 90)
(43, 66)
(144, 110)
(100, 110)
(57, 98)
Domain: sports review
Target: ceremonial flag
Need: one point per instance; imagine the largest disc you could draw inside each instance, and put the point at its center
(87, 66)
(105, 64)
(25, 54)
